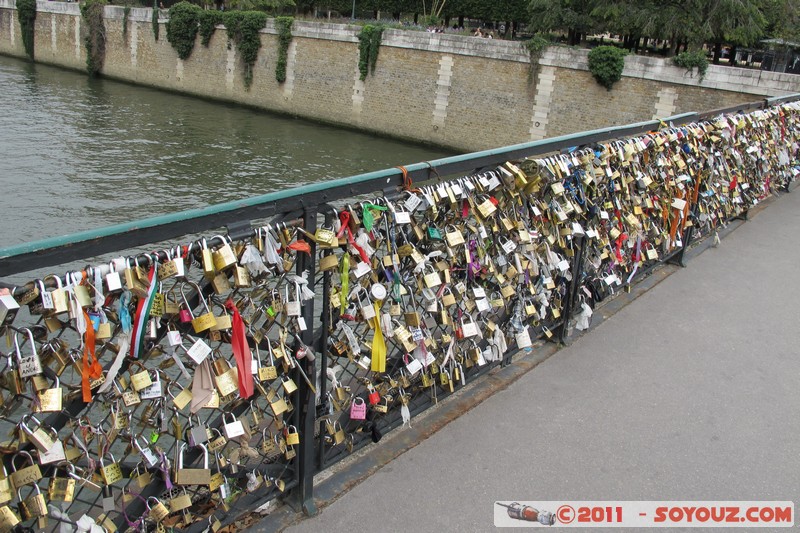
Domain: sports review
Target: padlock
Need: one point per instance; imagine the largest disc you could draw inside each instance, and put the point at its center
(269, 372)
(217, 441)
(39, 437)
(267, 442)
(292, 436)
(223, 321)
(61, 488)
(148, 455)
(191, 476)
(30, 365)
(224, 256)
(8, 519)
(50, 399)
(111, 473)
(431, 277)
(366, 305)
(198, 433)
(157, 511)
(231, 426)
(202, 322)
(225, 377)
(33, 506)
(154, 391)
(6, 493)
(182, 399)
(141, 476)
(358, 409)
(373, 396)
(139, 380)
(58, 296)
(180, 502)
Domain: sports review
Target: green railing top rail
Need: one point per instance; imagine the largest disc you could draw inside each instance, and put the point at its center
(63, 249)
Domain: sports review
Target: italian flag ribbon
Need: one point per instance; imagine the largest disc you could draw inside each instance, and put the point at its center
(143, 313)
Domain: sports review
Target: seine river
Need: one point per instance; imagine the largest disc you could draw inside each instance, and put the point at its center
(77, 153)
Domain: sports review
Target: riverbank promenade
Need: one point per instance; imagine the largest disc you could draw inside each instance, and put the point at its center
(689, 392)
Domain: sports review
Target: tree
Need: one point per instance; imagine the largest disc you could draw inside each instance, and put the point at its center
(572, 16)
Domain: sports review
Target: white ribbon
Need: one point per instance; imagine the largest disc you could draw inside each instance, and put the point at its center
(499, 340)
(427, 261)
(251, 258)
(111, 375)
(362, 239)
(584, 317)
(351, 337)
(301, 285)
(271, 250)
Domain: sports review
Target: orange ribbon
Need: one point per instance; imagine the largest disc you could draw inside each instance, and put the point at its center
(93, 370)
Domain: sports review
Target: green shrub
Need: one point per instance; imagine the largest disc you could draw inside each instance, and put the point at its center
(689, 60)
(182, 27)
(26, 12)
(606, 64)
(284, 26)
(244, 31)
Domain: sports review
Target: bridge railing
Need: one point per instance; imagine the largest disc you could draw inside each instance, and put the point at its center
(208, 361)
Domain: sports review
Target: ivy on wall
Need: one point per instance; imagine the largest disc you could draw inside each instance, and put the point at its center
(154, 19)
(26, 12)
(284, 26)
(209, 20)
(126, 13)
(244, 31)
(95, 40)
(369, 43)
(182, 27)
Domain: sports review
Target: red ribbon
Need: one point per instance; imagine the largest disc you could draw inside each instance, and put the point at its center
(91, 370)
(301, 246)
(344, 218)
(241, 352)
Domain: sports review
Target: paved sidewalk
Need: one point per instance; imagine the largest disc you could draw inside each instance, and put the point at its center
(691, 392)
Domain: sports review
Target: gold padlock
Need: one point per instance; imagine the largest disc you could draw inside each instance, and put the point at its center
(50, 400)
(292, 436)
(111, 473)
(8, 519)
(191, 476)
(139, 380)
(157, 511)
(224, 257)
(33, 506)
(61, 488)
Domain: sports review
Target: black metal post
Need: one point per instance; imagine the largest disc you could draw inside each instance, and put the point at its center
(302, 497)
(572, 293)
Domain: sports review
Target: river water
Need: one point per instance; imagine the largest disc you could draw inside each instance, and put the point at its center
(77, 153)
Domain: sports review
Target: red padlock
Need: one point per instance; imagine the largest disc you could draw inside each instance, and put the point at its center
(374, 397)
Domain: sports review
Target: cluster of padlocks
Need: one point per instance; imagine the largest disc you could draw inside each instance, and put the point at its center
(167, 383)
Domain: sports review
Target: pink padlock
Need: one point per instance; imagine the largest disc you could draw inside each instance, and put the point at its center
(358, 409)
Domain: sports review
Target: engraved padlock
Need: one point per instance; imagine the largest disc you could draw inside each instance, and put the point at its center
(156, 511)
(111, 472)
(29, 365)
(26, 475)
(32, 506)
